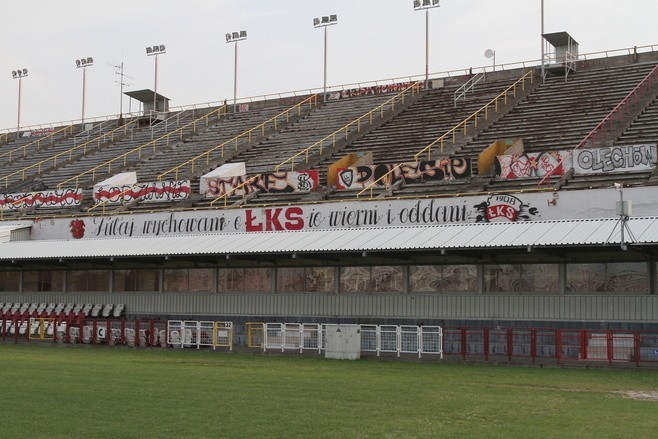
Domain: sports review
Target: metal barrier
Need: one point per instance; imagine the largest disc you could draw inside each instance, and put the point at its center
(293, 336)
(486, 344)
(255, 334)
(557, 345)
(187, 333)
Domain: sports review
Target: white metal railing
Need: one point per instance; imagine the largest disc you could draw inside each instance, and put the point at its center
(191, 333)
(394, 339)
(468, 86)
(394, 80)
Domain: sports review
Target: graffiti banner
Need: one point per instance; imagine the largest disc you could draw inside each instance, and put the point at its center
(359, 177)
(615, 159)
(375, 89)
(51, 198)
(143, 192)
(294, 181)
(532, 164)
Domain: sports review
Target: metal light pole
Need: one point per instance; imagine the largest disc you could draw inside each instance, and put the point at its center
(83, 63)
(19, 74)
(543, 74)
(325, 22)
(426, 5)
(155, 51)
(234, 37)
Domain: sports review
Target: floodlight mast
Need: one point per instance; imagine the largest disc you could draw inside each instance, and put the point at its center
(426, 5)
(155, 51)
(325, 22)
(83, 63)
(234, 37)
(19, 74)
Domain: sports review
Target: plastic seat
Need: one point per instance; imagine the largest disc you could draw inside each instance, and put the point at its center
(96, 309)
(107, 309)
(118, 310)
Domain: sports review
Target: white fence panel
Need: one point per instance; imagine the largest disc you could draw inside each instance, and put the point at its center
(431, 340)
(273, 336)
(409, 339)
(292, 336)
(311, 337)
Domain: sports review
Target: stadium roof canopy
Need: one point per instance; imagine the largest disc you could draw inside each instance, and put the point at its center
(492, 236)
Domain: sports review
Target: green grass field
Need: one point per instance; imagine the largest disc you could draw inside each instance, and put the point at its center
(50, 391)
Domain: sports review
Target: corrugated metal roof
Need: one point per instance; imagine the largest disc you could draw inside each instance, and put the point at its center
(559, 233)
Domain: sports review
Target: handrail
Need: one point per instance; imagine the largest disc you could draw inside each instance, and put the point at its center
(225, 195)
(220, 111)
(647, 81)
(371, 186)
(474, 117)
(411, 78)
(312, 100)
(69, 152)
(37, 142)
(468, 85)
(454, 129)
(415, 88)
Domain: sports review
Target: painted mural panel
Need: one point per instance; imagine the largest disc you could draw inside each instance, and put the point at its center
(279, 182)
(521, 278)
(378, 279)
(616, 277)
(443, 279)
(615, 159)
(305, 279)
(359, 177)
(49, 198)
(532, 164)
(143, 192)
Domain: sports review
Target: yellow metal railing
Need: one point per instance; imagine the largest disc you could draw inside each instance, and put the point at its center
(235, 141)
(36, 168)
(227, 194)
(473, 118)
(24, 148)
(123, 158)
(343, 132)
(463, 125)
(371, 186)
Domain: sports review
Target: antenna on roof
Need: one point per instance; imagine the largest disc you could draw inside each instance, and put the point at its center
(118, 70)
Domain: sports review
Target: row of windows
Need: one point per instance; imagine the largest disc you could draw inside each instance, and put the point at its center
(603, 278)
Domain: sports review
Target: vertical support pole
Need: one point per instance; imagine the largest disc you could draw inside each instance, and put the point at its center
(427, 47)
(543, 74)
(324, 87)
(84, 86)
(155, 87)
(235, 80)
(18, 122)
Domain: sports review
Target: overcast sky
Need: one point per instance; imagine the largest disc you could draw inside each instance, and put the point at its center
(374, 39)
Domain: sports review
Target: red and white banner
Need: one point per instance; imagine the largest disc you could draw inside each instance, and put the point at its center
(280, 182)
(143, 192)
(532, 164)
(51, 198)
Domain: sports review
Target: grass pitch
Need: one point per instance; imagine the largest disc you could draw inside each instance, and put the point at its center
(100, 392)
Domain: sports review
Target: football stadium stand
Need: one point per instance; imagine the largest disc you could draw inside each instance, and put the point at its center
(502, 214)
